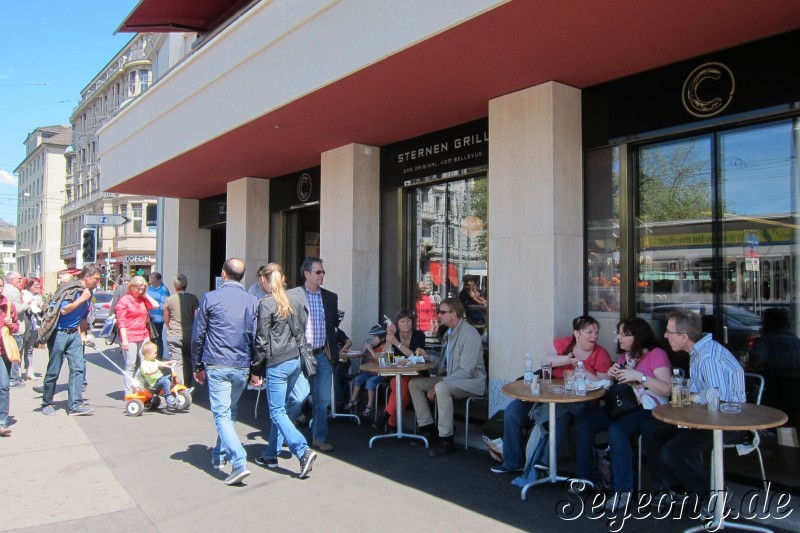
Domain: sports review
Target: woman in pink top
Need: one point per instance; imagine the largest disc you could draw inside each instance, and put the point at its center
(644, 366)
(131, 311)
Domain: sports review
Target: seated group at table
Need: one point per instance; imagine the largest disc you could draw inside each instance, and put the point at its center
(673, 453)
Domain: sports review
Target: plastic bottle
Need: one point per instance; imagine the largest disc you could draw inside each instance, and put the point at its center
(528, 369)
(580, 379)
(712, 398)
(677, 385)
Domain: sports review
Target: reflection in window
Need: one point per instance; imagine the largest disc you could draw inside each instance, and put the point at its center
(450, 237)
(602, 214)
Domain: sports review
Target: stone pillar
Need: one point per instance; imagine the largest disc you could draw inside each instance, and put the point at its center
(247, 224)
(350, 233)
(186, 249)
(535, 226)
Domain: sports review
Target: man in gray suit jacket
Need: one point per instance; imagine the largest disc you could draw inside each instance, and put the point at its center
(461, 373)
(319, 315)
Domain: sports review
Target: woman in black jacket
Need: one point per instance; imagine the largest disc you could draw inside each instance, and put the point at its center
(279, 332)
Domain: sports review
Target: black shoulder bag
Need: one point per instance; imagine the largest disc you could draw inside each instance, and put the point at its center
(620, 400)
(308, 363)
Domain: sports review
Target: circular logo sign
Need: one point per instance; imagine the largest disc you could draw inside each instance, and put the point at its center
(304, 187)
(708, 90)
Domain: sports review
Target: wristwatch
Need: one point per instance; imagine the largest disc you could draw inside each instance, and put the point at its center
(644, 379)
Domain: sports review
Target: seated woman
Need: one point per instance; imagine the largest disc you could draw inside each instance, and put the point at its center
(580, 346)
(370, 380)
(406, 341)
(645, 367)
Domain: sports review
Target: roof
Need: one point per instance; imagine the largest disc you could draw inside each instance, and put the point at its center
(159, 16)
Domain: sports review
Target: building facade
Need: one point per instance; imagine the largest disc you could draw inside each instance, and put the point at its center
(489, 140)
(8, 246)
(130, 248)
(42, 178)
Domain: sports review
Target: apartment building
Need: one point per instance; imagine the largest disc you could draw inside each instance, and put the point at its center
(130, 248)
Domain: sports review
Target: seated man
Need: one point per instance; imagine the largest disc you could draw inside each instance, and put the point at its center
(674, 453)
(461, 373)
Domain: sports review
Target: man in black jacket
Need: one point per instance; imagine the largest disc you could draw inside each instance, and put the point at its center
(319, 315)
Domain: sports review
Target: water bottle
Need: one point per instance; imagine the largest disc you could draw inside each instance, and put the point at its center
(677, 385)
(580, 380)
(528, 369)
(712, 398)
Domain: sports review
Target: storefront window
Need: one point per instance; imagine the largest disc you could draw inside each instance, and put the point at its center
(603, 237)
(449, 228)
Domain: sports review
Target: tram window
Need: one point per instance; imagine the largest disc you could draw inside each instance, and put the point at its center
(776, 272)
(745, 285)
(785, 279)
(730, 277)
(765, 281)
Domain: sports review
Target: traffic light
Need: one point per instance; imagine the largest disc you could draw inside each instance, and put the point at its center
(89, 245)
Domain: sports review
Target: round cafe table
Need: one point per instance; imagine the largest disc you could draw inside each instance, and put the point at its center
(698, 416)
(521, 391)
(397, 372)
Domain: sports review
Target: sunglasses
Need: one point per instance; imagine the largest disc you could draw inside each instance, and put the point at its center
(319, 272)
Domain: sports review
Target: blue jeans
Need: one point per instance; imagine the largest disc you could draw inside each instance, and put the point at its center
(297, 397)
(321, 392)
(5, 368)
(280, 380)
(515, 421)
(368, 380)
(620, 431)
(162, 386)
(67, 346)
(225, 387)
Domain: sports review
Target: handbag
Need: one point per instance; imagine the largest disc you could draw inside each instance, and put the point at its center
(151, 329)
(10, 346)
(620, 400)
(308, 363)
(108, 327)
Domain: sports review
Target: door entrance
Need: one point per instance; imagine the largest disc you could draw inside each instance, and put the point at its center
(300, 240)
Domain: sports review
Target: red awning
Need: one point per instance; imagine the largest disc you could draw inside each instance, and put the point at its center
(436, 273)
(452, 274)
(179, 15)
(73, 271)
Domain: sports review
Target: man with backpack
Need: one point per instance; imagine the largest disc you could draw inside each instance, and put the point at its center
(63, 329)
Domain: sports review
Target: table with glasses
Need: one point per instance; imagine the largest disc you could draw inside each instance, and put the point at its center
(397, 371)
(521, 391)
(698, 416)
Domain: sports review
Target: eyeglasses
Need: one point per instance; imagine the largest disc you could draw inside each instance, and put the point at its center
(319, 272)
(443, 311)
(668, 332)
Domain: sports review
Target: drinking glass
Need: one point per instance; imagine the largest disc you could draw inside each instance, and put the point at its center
(547, 372)
(569, 381)
(686, 393)
(383, 361)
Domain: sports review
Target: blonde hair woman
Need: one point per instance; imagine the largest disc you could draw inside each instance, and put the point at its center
(279, 333)
(131, 311)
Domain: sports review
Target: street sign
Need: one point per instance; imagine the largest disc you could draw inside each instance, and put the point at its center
(99, 219)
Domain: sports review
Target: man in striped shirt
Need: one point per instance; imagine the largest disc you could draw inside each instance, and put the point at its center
(674, 453)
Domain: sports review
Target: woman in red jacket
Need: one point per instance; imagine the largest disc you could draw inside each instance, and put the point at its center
(9, 320)
(131, 311)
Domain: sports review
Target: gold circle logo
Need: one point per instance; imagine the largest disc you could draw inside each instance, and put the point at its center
(708, 90)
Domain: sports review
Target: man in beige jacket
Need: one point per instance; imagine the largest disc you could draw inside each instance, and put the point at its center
(461, 373)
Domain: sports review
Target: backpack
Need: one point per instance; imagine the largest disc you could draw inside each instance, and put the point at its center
(67, 291)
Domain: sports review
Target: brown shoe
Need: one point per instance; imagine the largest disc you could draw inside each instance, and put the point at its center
(322, 446)
(4, 431)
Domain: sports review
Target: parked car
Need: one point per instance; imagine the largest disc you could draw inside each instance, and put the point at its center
(101, 306)
(743, 326)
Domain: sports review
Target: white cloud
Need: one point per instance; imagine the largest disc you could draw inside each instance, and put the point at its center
(7, 178)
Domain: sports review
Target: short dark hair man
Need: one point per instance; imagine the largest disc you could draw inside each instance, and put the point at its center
(320, 316)
(674, 453)
(67, 342)
(223, 343)
(461, 373)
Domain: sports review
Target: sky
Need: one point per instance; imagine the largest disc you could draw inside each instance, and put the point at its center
(49, 51)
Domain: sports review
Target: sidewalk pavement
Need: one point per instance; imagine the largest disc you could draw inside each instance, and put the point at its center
(111, 472)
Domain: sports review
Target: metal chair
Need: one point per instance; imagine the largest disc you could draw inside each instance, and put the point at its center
(470, 399)
(754, 389)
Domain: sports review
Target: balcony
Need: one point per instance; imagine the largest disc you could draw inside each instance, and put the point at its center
(85, 200)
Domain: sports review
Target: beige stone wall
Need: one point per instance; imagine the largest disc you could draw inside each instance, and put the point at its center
(186, 248)
(247, 226)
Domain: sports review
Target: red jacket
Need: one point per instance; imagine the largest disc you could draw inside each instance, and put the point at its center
(5, 304)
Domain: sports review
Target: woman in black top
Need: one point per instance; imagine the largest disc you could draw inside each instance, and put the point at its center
(279, 332)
